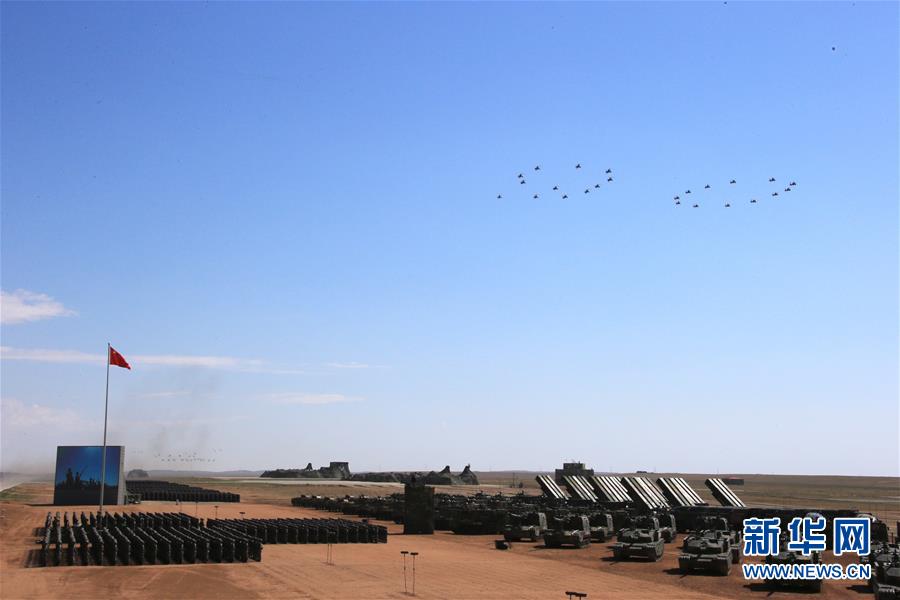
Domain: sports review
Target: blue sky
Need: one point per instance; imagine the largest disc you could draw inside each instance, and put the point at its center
(285, 217)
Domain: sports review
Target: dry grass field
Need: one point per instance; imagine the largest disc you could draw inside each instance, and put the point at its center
(449, 566)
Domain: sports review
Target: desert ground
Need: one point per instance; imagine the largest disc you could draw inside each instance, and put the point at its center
(448, 566)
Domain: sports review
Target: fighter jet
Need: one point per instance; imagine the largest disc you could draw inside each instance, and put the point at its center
(678, 203)
(596, 186)
(609, 179)
(535, 196)
(565, 196)
(771, 179)
(792, 184)
(774, 193)
(537, 167)
(677, 198)
(687, 192)
(727, 205)
(696, 206)
(608, 171)
(732, 181)
(706, 187)
(522, 182)
(578, 166)
(752, 200)
(587, 191)
(499, 196)
(520, 176)
(787, 189)
(555, 188)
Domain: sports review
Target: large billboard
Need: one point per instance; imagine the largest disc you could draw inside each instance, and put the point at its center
(78, 475)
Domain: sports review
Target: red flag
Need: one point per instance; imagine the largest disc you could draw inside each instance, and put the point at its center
(117, 359)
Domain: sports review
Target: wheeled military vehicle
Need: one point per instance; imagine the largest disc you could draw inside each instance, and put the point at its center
(601, 526)
(640, 539)
(574, 530)
(527, 526)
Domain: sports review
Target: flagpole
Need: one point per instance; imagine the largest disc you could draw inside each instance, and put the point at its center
(103, 460)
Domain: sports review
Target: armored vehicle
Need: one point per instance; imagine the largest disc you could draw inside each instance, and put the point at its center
(528, 526)
(885, 580)
(790, 557)
(667, 527)
(708, 550)
(574, 530)
(601, 527)
(640, 539)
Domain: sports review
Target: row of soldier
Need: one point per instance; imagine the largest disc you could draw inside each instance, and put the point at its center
(114, 539)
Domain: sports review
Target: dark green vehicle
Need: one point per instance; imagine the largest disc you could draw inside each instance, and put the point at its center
(642, 538)
(527, 526)
(574, 530)
(601, 526)
(708, 550)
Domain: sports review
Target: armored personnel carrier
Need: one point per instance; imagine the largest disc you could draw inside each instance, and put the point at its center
(708, 550)
(574, 530)
(528, 526)
(642, 538)
(601, 526)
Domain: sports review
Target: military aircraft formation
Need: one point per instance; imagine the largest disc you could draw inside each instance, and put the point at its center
(696, 203)
(698, 198)
(556, 188)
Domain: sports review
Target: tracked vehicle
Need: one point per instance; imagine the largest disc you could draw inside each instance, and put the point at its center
(601, 527)
(885, 581)
(574, 530)
(708, 550)
(528, 526)
(642, 538)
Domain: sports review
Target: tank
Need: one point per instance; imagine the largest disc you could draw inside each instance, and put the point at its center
(708, 550)
(569, 531)
(601, 527)
(885, 580)
(528, 526)
(642, 538)
(789, 557)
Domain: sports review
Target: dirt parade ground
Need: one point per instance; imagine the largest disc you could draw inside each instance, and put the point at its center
(448, 565)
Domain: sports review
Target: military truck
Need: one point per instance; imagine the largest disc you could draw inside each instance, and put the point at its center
(527, 526)
(641, 538)
(574, 530)
(708, 550)
(601, 526)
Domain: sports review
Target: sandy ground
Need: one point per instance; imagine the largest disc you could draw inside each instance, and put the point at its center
(449, 566)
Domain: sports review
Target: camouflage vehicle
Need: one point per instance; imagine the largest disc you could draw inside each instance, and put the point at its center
(601, 526)
(574, 530)
(642, 538)
(528, 526)
(885, 579)
(708, 550)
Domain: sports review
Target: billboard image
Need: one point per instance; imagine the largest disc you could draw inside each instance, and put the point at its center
(78, 475)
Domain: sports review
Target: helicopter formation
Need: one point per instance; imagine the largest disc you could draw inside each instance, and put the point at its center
(753, 200)
(591, 186)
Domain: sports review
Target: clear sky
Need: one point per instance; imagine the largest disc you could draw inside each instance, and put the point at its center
(285, 217)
